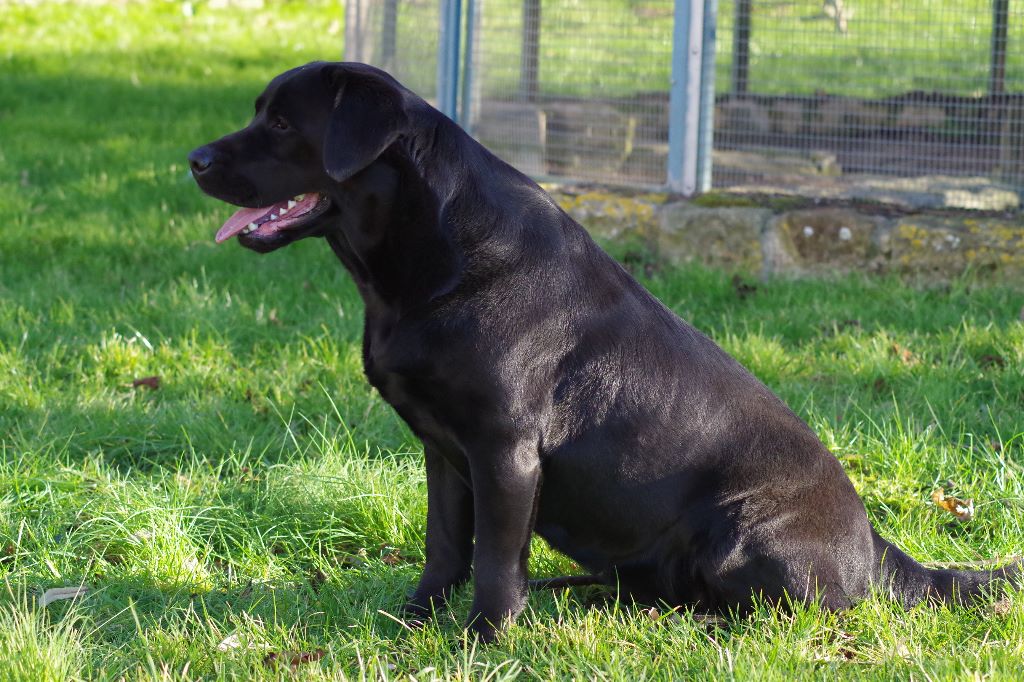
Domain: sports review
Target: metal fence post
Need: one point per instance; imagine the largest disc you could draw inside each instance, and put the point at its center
(448, 48)
(470, 84)
(685, 95)
(741, 47)
(389, 35)
(359, 35)
(706, 132)
(529, 58)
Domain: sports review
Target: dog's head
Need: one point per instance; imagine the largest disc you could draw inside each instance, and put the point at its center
(315, 128)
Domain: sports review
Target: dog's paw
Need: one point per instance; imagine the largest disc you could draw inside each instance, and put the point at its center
(415, 614)
(485, 633)
(483, 629)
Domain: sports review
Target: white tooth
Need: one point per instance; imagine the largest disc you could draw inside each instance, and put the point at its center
(283, 211)
(273, 216)
(300, 197)
(251, 226)
(291, 204)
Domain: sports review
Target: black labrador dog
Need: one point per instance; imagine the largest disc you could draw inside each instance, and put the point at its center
(553, 394)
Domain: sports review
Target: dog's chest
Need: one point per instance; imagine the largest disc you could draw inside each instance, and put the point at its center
(425, 407)
(398, 364)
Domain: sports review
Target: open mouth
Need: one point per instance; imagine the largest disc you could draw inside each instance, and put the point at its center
(268, 220)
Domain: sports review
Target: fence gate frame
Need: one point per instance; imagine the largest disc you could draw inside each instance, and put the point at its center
(691, 90)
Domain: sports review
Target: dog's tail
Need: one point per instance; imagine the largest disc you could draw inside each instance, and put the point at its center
(910, 582)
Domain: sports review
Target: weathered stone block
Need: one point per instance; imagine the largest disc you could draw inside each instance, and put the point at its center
(587, 140)
(610, 215)
(515, 132)
(787, 116)
(847, 116)
(741, 116)
(729, 237)
(647, 163)
(946, 245)
(921, 116)
(774, 164)
(827, 237)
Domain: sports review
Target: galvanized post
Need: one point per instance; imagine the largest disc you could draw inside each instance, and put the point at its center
(685, 95)
(359, 35)
(448, 48)
(706, 132)
(529, 56)
(470, 90)
(741, 47)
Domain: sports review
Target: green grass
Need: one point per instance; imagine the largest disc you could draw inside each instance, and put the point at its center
(265, 496)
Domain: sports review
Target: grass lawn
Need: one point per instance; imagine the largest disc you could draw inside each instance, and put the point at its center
(264, 507)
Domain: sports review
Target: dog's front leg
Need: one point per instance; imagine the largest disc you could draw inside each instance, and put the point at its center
(449, 535)
(506, 485)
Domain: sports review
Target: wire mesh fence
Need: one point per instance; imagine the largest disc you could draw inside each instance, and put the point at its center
(814, 93)
(576, 89)
(398, 36)
(917, 95)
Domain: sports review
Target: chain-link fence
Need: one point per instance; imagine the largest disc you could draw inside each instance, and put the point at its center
(809, 96)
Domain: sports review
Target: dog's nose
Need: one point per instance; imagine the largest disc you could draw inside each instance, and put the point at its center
(200, 160)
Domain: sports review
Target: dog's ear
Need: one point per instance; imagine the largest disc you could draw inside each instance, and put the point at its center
(368, 116)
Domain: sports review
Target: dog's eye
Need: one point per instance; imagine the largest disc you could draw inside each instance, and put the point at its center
(279, 124)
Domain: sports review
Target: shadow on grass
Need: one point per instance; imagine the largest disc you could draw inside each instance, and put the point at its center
(318, 605)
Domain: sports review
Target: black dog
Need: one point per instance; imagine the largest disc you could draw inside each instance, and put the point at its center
(552, 392)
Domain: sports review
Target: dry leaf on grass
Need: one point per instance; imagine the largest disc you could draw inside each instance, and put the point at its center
(152, 382)
(392, 556)
(992, 360)
(963, 511)
(656, 616)
(1002, 607)
(905, 355)
(60, 593)
(292, 658)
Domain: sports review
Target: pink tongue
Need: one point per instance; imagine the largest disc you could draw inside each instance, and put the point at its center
(238, 221)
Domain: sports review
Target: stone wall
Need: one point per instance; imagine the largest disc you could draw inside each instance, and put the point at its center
(773, 235)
